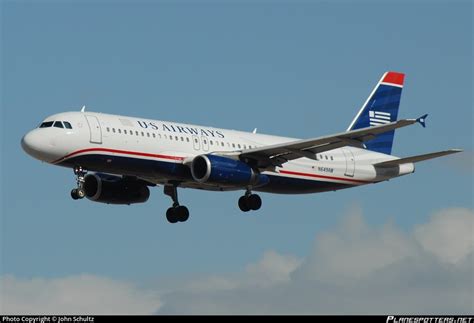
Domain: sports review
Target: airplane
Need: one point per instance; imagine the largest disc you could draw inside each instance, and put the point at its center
(117, 158)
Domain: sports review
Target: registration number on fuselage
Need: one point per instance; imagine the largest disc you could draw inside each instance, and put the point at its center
(326, 169)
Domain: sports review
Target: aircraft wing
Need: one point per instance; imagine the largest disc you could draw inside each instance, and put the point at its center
(418, 158)
(276, 155)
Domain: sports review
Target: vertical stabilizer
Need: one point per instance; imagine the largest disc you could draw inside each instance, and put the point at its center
(381, 107)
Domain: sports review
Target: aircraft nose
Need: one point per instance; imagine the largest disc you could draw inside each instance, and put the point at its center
(33, 145)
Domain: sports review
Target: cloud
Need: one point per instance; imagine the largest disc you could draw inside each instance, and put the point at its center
(353, 269)
(449, 235)
(81, 294)
(355, 250)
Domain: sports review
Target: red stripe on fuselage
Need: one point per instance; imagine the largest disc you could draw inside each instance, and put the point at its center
(127, 152)
(136, 153)
(322, 176)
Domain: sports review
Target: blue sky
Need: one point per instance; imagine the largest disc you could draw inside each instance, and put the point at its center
(299, 69)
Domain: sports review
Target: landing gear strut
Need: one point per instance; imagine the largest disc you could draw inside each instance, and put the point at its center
(176, 213)
(79, 192)
(250, 202)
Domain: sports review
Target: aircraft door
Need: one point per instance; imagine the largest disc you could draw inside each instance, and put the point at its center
(350, 162)
(95, 130)
(196, 142)
(205, 143)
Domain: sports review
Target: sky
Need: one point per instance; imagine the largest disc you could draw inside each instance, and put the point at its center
(291, 68)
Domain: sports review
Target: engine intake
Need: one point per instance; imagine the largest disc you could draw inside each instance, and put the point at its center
(115, 190)
(222, 170)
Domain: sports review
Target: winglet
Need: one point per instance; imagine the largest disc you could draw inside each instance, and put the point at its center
(421, 120)
(83, 108)
(254, 130)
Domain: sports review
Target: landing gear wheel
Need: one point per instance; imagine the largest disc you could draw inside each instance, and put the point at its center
(182, 213)
(74, 194)
(81, 193)
(254, 202)
(171, 215)
(176, 213)
(243, 204)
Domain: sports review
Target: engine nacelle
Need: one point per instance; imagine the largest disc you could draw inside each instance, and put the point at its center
(115, 190)
(222, 170)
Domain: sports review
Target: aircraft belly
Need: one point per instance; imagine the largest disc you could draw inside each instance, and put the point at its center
(161, 172)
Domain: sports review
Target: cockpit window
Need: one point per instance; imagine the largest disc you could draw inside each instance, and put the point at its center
(46, 124)
(67, 125)
(58, 124)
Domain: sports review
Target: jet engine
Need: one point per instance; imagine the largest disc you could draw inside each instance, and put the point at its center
(215, 169)
(114, 189)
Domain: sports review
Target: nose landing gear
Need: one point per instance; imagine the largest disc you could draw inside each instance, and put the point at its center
(79, 192)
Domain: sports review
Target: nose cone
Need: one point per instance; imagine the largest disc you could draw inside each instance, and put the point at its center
(31, 144)
(37, 145)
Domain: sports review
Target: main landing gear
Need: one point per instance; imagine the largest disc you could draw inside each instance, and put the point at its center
(79, 192)
(250, 202)
(176, 213)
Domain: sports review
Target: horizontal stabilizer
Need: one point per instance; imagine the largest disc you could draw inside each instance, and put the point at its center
(418, 158)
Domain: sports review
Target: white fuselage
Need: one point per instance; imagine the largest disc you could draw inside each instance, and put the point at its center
(160, 152)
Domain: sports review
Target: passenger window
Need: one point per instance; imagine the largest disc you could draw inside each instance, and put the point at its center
(154, 136)
(210, 141)
(233, 145)
(67, 125)
(125, 131)
(205, 141)
(187, 139)
(176, 138)
(332, 158)
(46, 124)
(182, 139)
(238, 146)
(326, 156)
(148, 134)
(119, 130)
(171, 137)
(136, 133)
(113, 130)
(143, 134)
(58, 124)
(222, 143)
(195, 140)
(108, 129)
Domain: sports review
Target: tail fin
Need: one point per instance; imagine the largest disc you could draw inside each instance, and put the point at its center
(381, 107)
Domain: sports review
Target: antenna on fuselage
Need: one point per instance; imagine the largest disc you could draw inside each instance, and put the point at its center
(83, 108)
